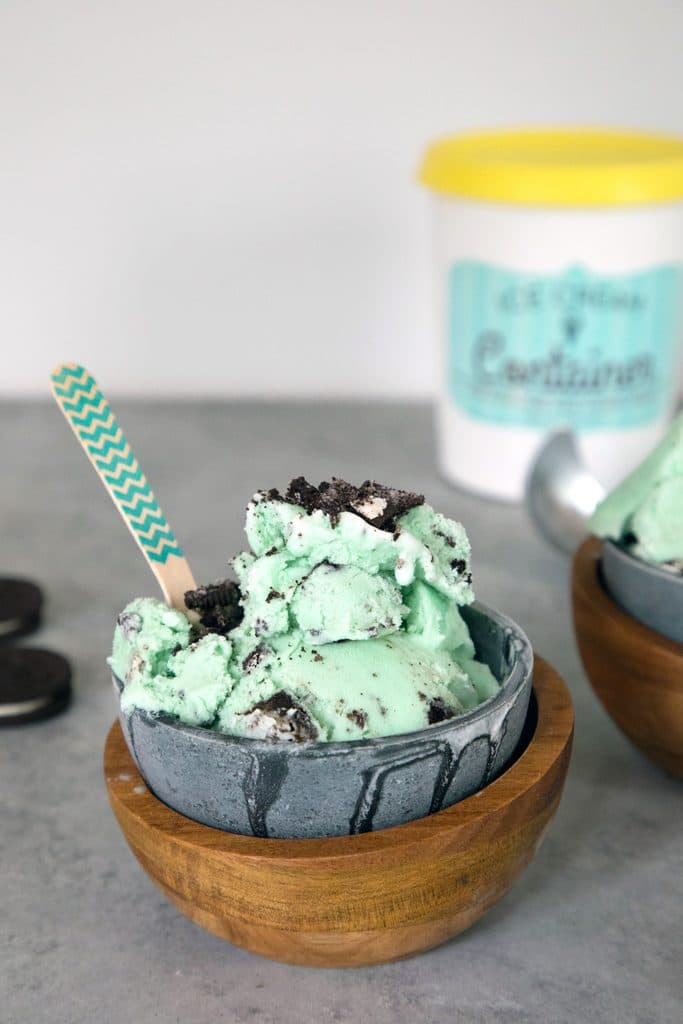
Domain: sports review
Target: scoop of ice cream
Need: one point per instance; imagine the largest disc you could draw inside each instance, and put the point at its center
(343, 602)
(146, 635)
(193, 686)
(352, 689)
(435, 622)
(645, 511)
(347, 624)
(284, 580)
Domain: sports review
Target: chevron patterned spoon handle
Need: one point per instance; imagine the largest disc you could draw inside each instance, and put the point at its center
(94, 424)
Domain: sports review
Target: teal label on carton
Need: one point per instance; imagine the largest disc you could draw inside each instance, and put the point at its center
(573, 348)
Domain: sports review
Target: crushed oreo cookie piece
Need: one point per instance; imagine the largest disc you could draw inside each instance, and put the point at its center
(198, 632)
(285, 719)
(438, 711)
(300, 492)
(218, 606)
(129, 623)
(383, 506)
(255, 658)
(377, 504)
(136, 666)
(359, 718)
(223, 593)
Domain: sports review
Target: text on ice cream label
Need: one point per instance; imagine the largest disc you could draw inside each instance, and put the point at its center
(573, 348)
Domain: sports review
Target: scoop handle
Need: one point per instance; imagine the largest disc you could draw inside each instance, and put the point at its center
(94, 424)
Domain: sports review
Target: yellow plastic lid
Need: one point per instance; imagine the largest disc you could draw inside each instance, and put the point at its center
(557, 167)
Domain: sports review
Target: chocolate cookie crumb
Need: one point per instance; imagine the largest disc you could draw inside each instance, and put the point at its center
(438, 711)
(359, 718)
(129, 624)
(377, 504)
(223, 593)
(218, 605)
(197, 632)
(255, 658)
(289, 720)
(274, 595)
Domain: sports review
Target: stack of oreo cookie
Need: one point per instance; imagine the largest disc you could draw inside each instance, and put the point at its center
(34, 683)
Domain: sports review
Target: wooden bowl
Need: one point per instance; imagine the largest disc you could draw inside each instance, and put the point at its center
(636, 672)
(362, 899)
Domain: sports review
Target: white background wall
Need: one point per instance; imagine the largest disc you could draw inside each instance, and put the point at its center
(218, 197)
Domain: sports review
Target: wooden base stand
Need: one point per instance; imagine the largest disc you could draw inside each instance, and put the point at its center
(636, 672)
(363, 899)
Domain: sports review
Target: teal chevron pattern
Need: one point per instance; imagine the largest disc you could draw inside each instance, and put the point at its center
(98, 430)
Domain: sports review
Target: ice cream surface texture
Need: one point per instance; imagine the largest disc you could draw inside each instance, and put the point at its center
(343, 624)
(645, 512)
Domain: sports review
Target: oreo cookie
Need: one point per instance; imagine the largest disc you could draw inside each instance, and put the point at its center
(21, 603)
(34, 684)
(281, 718)
(377, 504)
(218, 606)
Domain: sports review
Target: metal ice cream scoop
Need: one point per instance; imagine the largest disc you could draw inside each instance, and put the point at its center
(561, 493)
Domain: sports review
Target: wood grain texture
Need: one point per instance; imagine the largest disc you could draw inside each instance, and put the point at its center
(361, 899)
(636, 672)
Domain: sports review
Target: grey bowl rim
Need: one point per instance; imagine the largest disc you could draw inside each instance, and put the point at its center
(520, 672)
(651, 568)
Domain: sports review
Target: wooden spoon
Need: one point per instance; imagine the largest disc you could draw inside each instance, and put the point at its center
(94, 424)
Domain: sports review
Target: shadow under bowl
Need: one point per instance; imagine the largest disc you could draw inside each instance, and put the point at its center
(651, 594)
(636, 672)
(364, 899)
(309, 790)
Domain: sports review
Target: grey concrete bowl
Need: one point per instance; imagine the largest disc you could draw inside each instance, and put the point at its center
(651, 594)
(297, 791)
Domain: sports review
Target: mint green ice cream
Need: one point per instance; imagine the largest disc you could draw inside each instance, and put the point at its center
(344, 624)
(645, 512)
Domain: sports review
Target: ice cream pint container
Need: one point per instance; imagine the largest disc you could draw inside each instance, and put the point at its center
(559, 290)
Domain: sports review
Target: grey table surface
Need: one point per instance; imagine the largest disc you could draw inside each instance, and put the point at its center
(593, 931)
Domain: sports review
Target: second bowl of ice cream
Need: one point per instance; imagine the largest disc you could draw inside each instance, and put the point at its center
(346, 682)
(641, 523)
(628, 603)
